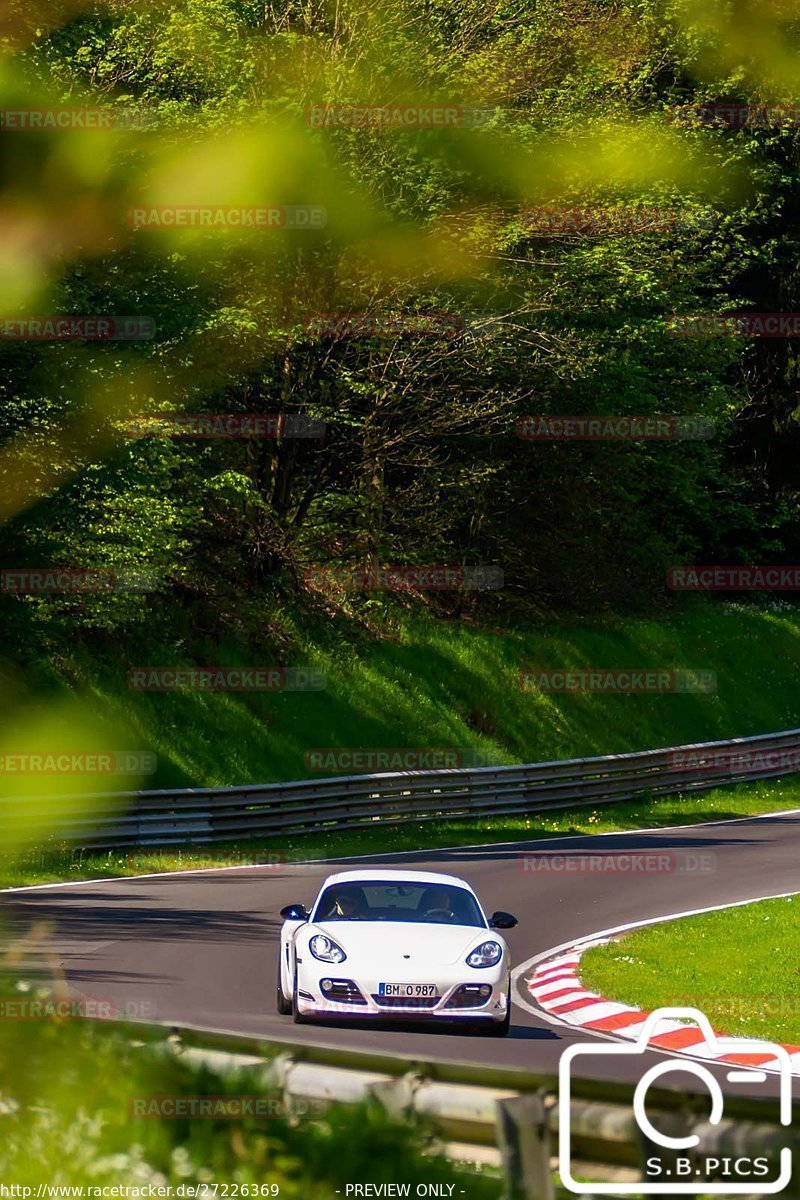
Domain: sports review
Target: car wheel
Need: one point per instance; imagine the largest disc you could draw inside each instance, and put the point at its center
(501, 1028)
(284, 1006)
(297, 1016)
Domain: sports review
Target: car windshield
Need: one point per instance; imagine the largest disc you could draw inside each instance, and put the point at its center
(411, 903)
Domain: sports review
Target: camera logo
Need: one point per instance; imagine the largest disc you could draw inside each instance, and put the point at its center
(684, 1165)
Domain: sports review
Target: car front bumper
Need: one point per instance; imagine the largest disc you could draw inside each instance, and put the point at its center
(315, 1001)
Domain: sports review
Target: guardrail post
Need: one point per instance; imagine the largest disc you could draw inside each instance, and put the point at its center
(523, 1136)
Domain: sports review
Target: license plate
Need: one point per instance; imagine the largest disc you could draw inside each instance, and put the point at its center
(407, 989)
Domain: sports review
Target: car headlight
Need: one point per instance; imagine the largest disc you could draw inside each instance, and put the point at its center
(325, 950)
(488, 954)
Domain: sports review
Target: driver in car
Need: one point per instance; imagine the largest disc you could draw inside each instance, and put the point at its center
(439, 904)
(345, 905)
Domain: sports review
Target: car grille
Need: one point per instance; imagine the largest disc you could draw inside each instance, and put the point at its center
(406, 1001)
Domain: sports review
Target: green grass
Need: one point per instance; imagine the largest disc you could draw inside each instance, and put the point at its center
(417, 682)
(44, 864)
(72, 1117)
(741, 966)
(408, 682)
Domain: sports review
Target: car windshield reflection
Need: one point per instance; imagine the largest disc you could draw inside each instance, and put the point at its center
(408, 903)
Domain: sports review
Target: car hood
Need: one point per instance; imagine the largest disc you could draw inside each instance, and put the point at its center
(425, 944)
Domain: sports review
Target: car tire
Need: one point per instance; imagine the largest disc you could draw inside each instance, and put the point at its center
(297, 1016)
(284, 1006)
(501, 1028)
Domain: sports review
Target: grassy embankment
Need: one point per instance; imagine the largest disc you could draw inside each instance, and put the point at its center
(426, 683)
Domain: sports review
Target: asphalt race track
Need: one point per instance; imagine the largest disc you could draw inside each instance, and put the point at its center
(201, 947)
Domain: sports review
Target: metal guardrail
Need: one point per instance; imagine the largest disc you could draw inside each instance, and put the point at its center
(490, 1114)
(229, 814)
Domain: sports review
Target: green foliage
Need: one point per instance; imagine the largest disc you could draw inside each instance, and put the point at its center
(420, 462)
(71, 1119)
(216, 103)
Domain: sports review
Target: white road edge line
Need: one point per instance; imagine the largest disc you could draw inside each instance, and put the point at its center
(567, 837)
(518, 972)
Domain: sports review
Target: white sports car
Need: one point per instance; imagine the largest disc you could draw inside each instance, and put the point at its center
(408, 944)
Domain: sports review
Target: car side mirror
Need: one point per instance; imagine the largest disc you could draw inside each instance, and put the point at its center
(295, 912)
(502, 920)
